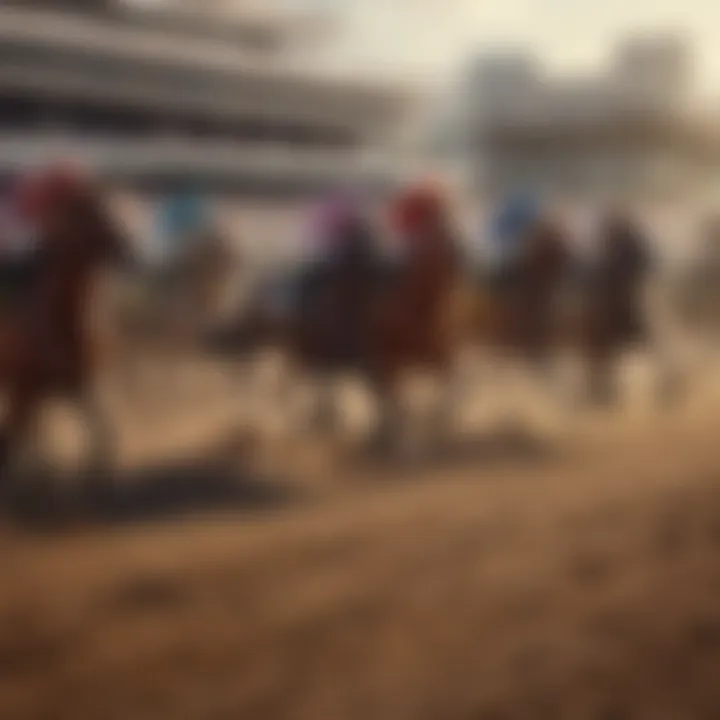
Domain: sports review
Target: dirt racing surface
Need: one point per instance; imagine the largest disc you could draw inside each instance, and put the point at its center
(580, 580)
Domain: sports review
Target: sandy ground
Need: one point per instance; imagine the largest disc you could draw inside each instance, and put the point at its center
(575, 577)
(575, 574)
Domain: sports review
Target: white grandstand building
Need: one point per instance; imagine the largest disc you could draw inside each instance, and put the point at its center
(168, 93)
(635, 126)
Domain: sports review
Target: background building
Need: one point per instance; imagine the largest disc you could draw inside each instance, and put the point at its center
(175, 94)
(634, 126)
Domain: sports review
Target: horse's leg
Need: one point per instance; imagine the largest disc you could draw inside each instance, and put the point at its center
(22, 414)
(513, 373)
(456, 379)
(324, 417)
(671, 378)
(102, 436)
(101, 440)
(602, 389)
(390, 415)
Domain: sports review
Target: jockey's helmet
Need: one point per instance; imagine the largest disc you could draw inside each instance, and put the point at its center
(519, 211)
(524, 202)
(417, 207)
(42, 189)
(335, 213)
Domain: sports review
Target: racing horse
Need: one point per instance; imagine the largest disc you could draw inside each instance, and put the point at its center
(614, 313)
(417, 323)
(516, 314)
(162, 313)
(556, 303)
(369, 315)
(47, 344)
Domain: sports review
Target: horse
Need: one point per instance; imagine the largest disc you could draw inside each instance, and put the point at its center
(163, 312)
(622, 315)
(553, 303)
(515, 311)
(417, 324)
(364, 314)
(47, 345)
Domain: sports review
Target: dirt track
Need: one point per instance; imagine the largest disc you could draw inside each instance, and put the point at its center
(579, 583)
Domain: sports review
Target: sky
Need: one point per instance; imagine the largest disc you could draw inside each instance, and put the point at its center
(435, 37)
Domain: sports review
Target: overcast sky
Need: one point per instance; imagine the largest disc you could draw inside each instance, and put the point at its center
(433, 36)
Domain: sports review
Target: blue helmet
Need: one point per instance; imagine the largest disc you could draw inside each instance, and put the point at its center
(519, 211)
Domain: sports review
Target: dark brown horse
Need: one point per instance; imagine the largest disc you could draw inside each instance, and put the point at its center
(417, 324)
(517, 314)
(46, 345)
(364, 315)
(614, 317)
(555, 304)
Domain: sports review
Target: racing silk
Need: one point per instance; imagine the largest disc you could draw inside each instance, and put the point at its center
(330, 227)
(180, 219)
(415, 211)
(510, 226)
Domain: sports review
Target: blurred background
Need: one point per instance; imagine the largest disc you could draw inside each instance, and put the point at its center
(279, 100)
(522, 552)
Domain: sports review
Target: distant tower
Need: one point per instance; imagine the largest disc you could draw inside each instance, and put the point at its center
(659, 68)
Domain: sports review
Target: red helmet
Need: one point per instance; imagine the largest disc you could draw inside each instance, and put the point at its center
(39, 191)
(417, 207)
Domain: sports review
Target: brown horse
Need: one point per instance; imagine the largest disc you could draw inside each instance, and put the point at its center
(552, 305)
(615, 318)
(417, 323)
(161, 315)
(365, 316)
(46, 344)
(517, 313)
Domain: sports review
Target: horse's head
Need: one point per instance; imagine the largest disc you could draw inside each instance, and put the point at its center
(422, 221)
(75, 222)
(622, 241)
(549, 253)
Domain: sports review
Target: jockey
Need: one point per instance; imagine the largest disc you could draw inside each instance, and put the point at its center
(510, 228)
(339, 229)
(340, 238)
(25, 202)
(418, 214)
(624, 246)
(417, 209)
(182, 218)
(39, 190)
